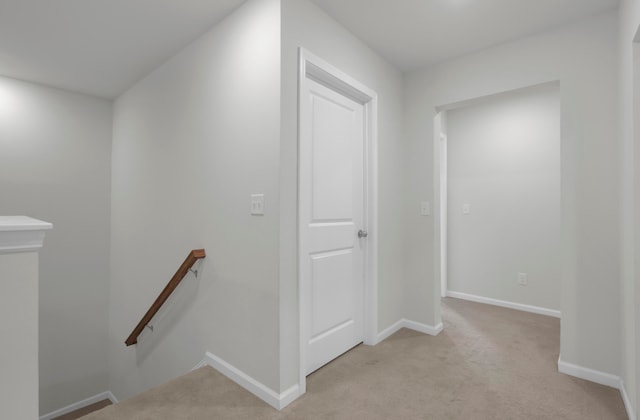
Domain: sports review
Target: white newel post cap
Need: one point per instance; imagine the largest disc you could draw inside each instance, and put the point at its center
(21, 234)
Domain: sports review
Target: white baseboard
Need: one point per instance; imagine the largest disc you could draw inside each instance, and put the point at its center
(505, 304)
(266, 394)
(412, 325)
(598, 377)
(389, 331)
(80, 404)
(627, 402)
(589, 374)
(423, 328)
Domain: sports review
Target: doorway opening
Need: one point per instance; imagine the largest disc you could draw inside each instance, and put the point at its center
(498, 192)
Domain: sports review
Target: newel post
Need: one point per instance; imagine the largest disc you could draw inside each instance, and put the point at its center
(21, 238)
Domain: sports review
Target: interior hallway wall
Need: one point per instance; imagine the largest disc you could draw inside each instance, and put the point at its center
(583, 58)
(55, 166)
(504, 162)
(305, 25)
(192, 141)
(629, 79)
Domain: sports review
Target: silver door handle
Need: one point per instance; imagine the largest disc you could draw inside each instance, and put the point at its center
(362, 233)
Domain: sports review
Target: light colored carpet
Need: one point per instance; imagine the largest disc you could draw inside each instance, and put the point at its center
(488, 363)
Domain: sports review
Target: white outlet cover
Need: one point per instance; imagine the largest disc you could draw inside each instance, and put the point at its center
(257, 204)
(466, 208)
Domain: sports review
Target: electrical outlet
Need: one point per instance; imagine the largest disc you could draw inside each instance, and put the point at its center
(257, 204)
(466, 208)
(522, 279)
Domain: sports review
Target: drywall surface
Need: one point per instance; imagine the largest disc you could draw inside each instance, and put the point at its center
(504, 164)
(305, 25)
(19, 350)
(55, 166)
(629, 82)
(192, 141)
(583, 58)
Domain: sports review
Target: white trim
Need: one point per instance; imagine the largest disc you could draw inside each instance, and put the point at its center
(627, 402)
(107, 395)
(260, 390)
(314, 68)
(505, 304)
(321, 71)
(371, 221)
(22, 223)
(588, 374)
(21, 234)
(423, 328)
(440, 202)
(598, 377)
(412, 325)
(389, 331)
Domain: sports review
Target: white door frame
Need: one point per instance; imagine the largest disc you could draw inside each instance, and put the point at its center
(314, 68)
(441, 190)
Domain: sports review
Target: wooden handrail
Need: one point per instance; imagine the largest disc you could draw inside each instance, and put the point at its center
(191, 259)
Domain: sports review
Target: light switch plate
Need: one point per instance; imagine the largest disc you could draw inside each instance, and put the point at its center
(425, 208)
(257, 204)
(523, 279)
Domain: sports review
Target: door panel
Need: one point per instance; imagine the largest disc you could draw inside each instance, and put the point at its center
(331, 282)
(332, 155)
(331, 213)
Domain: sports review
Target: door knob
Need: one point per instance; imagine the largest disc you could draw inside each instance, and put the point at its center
(362, 233)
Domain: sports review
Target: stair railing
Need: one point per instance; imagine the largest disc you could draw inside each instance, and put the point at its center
(191, 259)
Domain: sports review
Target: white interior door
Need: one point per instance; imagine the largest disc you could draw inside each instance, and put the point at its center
(331, 215)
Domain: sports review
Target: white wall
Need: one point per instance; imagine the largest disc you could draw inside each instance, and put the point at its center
(55, 166)
(192, 141)
(504, 162)
(583, 57)
(19, 329)
(305, 25)
(629, 77)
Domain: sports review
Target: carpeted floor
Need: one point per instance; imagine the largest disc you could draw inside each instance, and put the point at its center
(488, 363)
